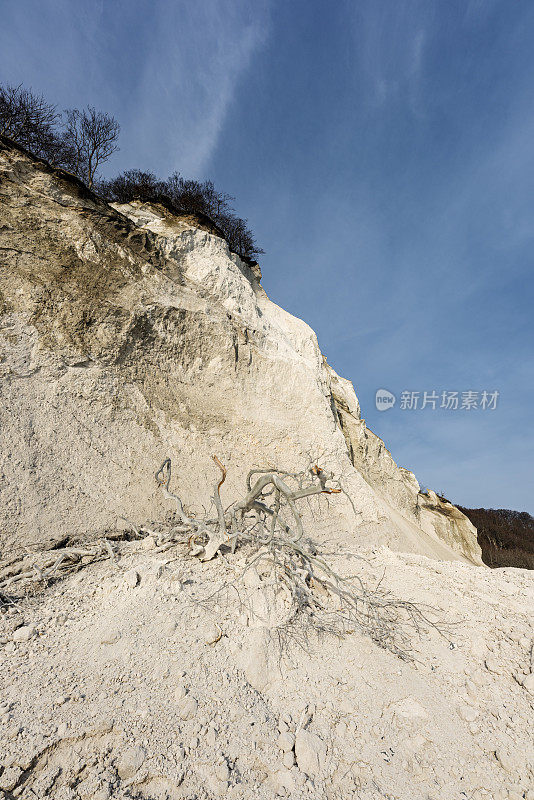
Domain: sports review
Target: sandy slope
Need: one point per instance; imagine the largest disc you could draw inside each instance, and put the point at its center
(120, 691)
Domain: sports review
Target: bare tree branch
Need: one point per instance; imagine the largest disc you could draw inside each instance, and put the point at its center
(316, 597)
(92, 135)
(29, 120)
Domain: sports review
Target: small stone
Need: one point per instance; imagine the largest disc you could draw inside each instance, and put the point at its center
(472, 690)
(528, 683)
(148, 543)
(99, 727)
(24, 634)
(251, 579)
(283, 782)
(180, 692)
(173, 587)
(14, 621)
(286, 742)
(130, 762)
(222, 772)
(468, 713)
(14, 731)
(479, 678)
(131, 578)
(213, 635)
(283, 726)
(24, 760)
(193, 744)
(211, 737)
(61, 619)
(61, 699)
(187, 707)
(410, 708)
(288, 759)
(217, 788)
(153, 571)
(88, 787)
(104, 793)
(9, 778)
(310, 752)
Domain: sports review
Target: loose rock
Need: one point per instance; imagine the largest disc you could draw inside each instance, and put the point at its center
(9, 778)
(310, 752)
(288, 759)
(148, 543)
(222, 772)
(131, 578)
(24, 634)
(506, 760)
(187, 707)
(130, 762)
(286, 742)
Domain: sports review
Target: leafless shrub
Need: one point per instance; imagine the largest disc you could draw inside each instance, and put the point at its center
(185, 195)
(133, 184)
(81, 141)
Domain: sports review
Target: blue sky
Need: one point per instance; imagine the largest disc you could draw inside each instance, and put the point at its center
(383, 153)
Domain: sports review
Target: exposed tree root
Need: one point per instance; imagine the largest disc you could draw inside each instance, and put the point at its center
(266, 526)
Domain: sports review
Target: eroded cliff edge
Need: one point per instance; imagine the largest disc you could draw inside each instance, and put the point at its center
(127, 335)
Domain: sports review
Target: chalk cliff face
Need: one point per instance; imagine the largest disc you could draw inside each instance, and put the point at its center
(128, 334)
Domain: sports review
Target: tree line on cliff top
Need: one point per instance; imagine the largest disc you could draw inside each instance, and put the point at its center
(81, 141)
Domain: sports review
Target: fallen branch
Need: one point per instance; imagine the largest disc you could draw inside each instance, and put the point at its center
(267, 525)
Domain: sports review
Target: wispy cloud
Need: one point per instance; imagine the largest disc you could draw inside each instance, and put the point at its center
(391, 40)
(199, 53)
(167, 69)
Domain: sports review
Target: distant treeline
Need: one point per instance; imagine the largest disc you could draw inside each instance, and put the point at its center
(506, 537)
(81, 141)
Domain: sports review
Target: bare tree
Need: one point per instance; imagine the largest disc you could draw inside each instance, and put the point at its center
(29, 120)
(92, 135)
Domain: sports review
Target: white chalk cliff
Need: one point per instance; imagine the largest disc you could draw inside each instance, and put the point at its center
(128, 335)
(131, 669)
